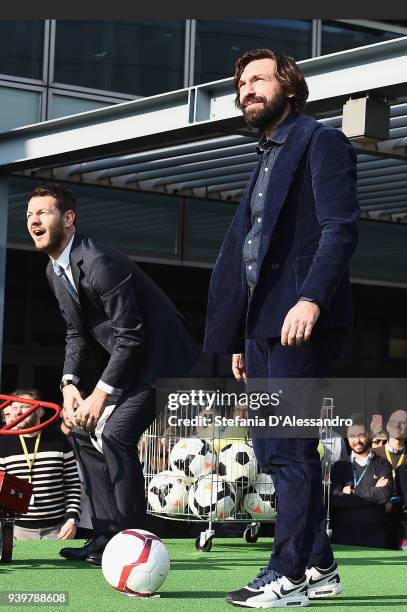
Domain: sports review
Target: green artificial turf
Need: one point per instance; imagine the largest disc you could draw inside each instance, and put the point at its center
(373, 579)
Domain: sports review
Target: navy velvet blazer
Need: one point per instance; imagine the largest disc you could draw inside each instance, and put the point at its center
(309, 234)
(132, 329)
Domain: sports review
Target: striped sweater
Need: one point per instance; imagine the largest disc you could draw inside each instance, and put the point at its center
(57, 488)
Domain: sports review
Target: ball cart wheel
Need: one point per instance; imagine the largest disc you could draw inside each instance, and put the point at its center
(249, 537)
(206, 547)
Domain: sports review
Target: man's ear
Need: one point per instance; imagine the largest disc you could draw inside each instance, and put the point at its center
(69, 218)
(40, 412)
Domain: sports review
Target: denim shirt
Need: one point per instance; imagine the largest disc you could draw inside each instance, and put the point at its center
(268, 150)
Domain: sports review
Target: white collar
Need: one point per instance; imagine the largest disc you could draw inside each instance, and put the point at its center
(63, 259)
(394, 450)
(359, 461)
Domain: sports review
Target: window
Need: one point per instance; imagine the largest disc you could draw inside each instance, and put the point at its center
(142, 58)
(21, 48)
(18, 107)
(62, 106)
(205, 229)
(220, 43)
(341, 36)
(398, 343)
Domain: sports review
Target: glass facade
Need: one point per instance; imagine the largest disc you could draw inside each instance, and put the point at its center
(21, 48)
(219, 43)
(99, 63)
(62, 106)
(18, 107)
(341, 36)
(142, 58)
(205, 228)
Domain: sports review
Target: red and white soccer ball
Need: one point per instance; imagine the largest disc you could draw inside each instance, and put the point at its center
(136, 562)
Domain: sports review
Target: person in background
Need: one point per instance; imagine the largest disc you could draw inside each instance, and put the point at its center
(402, 480)
(45, 459)
(361, 486)
(395, 452)
(379, 439)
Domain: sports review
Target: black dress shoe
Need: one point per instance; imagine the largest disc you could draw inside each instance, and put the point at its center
(94, 545)
(95, 558)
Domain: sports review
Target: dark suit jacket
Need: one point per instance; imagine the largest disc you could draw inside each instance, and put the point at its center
(309, 234)
(132, 329)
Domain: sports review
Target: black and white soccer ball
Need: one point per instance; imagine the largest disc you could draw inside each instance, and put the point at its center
(237, 463)
(168, 493)
(212, 497)
(192, 457)
(260, 500)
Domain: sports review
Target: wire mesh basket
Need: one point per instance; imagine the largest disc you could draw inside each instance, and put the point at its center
(202, 468)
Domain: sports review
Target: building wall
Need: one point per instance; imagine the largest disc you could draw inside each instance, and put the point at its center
(34, 330)
(50, 69)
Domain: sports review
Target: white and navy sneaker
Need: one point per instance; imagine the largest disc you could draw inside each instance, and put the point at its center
(323, 582)
(271, 590)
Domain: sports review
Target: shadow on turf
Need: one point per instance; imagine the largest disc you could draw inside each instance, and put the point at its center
(374, 600)
(365, 560)
(47, 563)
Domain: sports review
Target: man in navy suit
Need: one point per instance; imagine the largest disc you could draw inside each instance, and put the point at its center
(280, 301)
(119, 319)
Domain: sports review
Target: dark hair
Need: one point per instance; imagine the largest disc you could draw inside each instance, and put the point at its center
(34, 393)
(287, 73)
(64, 197)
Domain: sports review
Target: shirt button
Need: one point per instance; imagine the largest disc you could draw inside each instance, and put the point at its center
(258, 219)
(249, 242)
(260, 194)
(266, 169)
(250, 267)
(275, 266)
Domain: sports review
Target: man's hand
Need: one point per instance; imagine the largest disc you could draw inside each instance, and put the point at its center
(67, 531)
(239, 366)
(347, 490)
(299, 323)
(88, 413)
(382, 482)
(72, 399)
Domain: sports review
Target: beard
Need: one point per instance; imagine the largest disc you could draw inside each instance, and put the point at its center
(271, 111)
(56, 238)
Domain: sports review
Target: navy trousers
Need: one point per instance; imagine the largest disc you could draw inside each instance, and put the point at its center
(114, 480)
(300, 539)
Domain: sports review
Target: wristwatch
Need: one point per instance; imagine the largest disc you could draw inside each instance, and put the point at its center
(65, 383)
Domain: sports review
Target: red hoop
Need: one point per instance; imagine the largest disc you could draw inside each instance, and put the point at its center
(36, 404)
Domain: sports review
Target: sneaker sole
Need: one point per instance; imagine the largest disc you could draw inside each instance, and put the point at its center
(286, 602)
(325, 590)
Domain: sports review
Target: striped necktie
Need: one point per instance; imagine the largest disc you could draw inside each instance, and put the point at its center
(59, 271)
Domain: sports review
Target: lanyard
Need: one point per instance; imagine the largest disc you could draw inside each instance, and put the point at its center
(389, 459)
(357, 481)
(26, 455)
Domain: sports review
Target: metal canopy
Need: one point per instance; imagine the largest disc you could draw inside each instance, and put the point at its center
(194, 141)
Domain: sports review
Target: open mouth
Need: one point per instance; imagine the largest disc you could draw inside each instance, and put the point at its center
(38, 232)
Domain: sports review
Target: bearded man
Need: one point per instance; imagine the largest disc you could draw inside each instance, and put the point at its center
(280, 302)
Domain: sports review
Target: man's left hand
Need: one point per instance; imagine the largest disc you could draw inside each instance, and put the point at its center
(67, 531)
(299, 323)
(89, 412)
